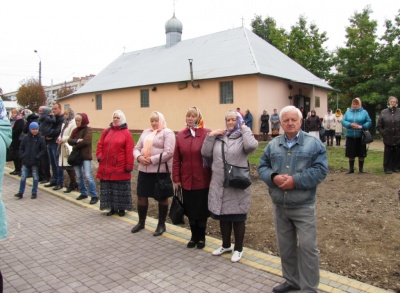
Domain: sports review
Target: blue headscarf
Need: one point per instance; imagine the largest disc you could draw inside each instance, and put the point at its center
(239, 123)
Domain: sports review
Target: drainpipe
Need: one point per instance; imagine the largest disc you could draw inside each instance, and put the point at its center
(194, 84)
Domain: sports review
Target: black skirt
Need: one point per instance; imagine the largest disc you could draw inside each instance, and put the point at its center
(355, 148)
(196, 203)
(146, 183)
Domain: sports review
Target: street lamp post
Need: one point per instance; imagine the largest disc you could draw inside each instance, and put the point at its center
(40, 67)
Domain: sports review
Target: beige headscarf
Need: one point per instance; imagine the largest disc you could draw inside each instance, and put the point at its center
(148, 141)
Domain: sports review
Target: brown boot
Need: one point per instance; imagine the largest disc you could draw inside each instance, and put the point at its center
(142, 211)
(162, 216)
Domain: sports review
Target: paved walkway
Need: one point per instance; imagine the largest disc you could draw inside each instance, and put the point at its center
(58, 244)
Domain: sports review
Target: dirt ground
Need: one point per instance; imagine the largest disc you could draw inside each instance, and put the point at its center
(358, 226)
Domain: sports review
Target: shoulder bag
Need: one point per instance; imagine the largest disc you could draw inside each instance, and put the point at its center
(177, 211)
(75, 157)
(236, 177)
(163, 187)
(366, 137)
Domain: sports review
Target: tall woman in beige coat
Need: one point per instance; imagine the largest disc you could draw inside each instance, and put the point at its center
(64, 149)
(229, 205)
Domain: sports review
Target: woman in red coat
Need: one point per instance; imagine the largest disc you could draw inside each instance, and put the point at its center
(193, 173)
(115, 156)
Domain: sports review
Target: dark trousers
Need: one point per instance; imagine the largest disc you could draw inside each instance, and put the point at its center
(57, 175)
(44, 169)
(391, 158)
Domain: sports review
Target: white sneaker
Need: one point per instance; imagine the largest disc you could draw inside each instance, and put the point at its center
(236, 256)
(221, 251)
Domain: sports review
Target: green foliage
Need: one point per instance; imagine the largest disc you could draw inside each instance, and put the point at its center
(304, 44)
(31, 95)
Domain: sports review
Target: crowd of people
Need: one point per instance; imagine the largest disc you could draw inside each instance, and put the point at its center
(195, 161)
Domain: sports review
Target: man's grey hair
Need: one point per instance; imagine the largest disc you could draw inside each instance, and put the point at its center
(290, 109)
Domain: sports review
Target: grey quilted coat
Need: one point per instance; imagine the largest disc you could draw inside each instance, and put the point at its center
(227, 201)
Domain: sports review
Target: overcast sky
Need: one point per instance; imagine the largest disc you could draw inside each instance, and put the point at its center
(81, 37)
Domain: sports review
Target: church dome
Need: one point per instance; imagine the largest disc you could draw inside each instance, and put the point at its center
(173, 25)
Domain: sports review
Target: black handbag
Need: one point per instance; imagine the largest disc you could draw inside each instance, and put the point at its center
(236, 177)
(75, 158)
(366, 137)
(163, 187)
(177, 211)
(11, 154)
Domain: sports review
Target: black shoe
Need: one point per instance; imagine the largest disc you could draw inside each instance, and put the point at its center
(44, 181)
(388, 171)
(19, 195)
(201, 244)
(51, 184)
(160, 230)
(13, 173)
(57, 187)
(396, 170)
(362, 171)
(34, 195)
(70, 187)
(139, 226)
(121, 213)
(285, 287)
(191, 244)
(110, 213)
(350, 172)
(81, 197)
(94, 200)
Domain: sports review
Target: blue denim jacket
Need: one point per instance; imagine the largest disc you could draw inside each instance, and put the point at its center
(306, 161)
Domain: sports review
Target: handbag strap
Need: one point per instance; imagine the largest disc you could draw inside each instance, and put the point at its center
(159, 164)
(223, 153)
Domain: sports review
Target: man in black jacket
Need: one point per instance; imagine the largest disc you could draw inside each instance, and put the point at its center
(57, 176)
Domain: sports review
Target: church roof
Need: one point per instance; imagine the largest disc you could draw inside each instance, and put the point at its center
(233, 52)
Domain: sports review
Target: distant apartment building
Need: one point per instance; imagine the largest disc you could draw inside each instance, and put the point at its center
(52, 91)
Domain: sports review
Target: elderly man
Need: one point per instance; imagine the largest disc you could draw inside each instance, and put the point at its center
(389, 127)
(292, 166)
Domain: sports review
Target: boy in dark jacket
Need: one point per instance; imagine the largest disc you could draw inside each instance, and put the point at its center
(32, 148)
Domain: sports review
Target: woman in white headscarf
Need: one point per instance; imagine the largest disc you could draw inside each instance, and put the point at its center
(5, 141)
(115, 156)
(154, 141)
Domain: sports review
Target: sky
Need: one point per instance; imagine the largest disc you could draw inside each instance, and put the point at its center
(77, 38)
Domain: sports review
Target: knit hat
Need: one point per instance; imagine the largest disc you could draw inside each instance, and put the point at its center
(33, 125)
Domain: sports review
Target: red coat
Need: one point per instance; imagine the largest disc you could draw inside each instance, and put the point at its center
(187, 165)
(115, 154)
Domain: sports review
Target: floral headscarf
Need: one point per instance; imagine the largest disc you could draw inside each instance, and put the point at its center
(3, 111)
(239, 123)
(199, 123)
(148, 141)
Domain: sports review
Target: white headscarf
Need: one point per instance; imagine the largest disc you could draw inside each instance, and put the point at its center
(121, 115)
